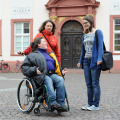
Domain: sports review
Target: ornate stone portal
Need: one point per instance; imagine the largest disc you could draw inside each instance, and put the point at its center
(68, 15)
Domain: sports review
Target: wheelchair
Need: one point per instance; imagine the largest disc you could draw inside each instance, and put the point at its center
(29, 93)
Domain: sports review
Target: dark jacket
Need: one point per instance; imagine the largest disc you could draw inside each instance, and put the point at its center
(30, 64)
(34, 60)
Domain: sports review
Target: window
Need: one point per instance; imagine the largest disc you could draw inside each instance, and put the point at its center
(116, 35)
(22, 36)
(0, 39)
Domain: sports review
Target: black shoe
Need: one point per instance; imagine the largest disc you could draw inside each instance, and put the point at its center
(56, 106)
(64, 108)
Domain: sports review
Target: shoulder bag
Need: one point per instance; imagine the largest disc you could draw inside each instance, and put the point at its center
(107, 57)
(48, 42)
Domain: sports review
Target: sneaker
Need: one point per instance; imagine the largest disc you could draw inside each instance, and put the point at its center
(93, 108)
(85, 107)
(56, 106)
(64, 108)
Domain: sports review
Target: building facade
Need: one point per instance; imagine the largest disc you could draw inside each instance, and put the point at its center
(21, 19)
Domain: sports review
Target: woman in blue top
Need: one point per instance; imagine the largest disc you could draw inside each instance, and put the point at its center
(90, 60)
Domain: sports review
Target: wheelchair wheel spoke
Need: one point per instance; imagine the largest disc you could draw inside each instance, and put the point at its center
(25, 96)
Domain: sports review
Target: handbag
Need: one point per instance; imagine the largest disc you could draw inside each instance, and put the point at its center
(107, 57)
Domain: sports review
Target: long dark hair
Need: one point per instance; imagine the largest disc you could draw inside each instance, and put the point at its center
(90, 19)
(42, 27)
(34, 45)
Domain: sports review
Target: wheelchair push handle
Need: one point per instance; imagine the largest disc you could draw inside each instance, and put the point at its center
(21, 53)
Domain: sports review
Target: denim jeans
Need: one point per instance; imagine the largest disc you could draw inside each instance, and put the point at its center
(56, 81)
(92, 82)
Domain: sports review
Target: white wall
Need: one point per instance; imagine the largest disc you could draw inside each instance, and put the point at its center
(102, 20)
(105, 9)
(38, 14)
(21, 9)
(0, 7)
(115, 7)
(6, 30)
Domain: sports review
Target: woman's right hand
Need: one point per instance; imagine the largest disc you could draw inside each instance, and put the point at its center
(78, 65)
(64, 71)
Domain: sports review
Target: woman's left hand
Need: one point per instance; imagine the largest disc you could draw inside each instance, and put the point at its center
(38, 72)
(64, 71)
(99, 62)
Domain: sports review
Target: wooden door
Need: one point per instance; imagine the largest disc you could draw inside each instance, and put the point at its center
(71, 44)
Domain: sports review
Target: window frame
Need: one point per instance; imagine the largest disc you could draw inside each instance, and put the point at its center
(112, 33)
(13, 33)
(22, 34)
(0, 37)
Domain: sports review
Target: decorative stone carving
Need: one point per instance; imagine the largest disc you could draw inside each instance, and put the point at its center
(81, 17)
(90, 14)
(53, 18)
(60, 19)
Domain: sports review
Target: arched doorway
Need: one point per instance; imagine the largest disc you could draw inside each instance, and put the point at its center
(71, 43)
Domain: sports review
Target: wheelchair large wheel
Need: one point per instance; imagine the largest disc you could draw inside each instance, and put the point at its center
(26, 96)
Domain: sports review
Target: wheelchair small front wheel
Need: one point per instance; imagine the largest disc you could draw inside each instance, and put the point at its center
(25, 96)
(37, 111)
(59, 112)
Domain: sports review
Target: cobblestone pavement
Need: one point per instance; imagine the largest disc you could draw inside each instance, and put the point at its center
(76, 90)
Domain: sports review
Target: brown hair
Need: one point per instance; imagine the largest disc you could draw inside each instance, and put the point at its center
(34, 45)
(42, 27)
(90, 19)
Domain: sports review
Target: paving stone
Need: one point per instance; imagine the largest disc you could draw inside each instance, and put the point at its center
(77, 96)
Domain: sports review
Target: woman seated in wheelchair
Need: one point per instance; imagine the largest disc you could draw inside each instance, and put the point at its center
(42, 66)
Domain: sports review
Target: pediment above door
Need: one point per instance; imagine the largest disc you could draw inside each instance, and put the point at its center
(71, 3)
(60, 8)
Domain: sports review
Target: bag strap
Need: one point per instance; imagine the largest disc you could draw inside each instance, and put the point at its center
(96, 36)
(48, 42)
